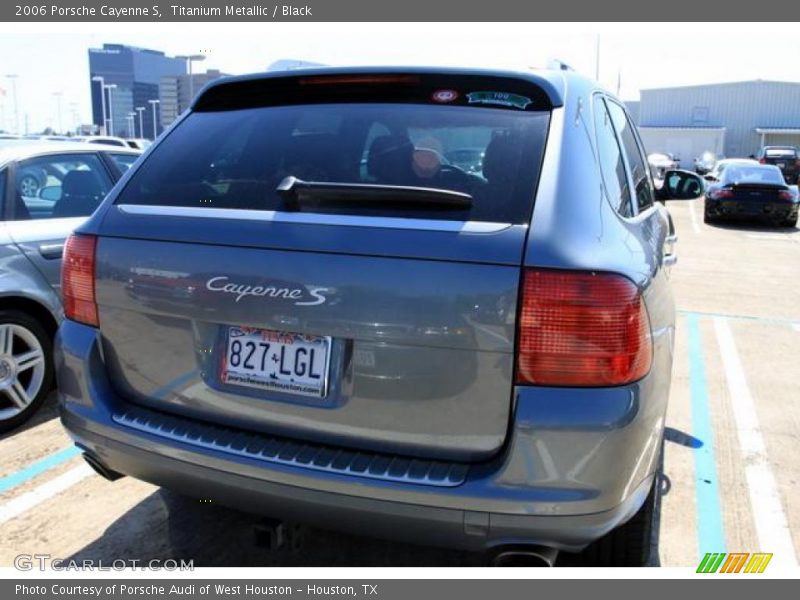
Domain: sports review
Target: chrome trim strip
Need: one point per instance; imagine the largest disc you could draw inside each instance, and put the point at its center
(139, 419)
(301, 218)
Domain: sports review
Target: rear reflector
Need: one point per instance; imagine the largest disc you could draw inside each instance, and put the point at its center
(583, 329)
(77, 279)
(720, 193)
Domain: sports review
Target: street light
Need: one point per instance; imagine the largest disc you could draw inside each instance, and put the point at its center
(109, 87)
(58, 103)
(131, 124)
(190, 59)
(13, 78)
(102, 81)
(140, 110)
(153, 104)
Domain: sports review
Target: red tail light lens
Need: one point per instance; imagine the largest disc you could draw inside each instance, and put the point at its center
(718, 194)
(77, 279)
(581, 329)
(785, 195)
(762, 161)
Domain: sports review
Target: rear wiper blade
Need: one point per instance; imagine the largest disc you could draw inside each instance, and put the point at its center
(295, 191)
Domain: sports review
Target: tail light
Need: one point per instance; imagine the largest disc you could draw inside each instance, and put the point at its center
(797, 163)
(785, 195)
(581, 329)
(762, 161)
(719, 194)
(77, 279)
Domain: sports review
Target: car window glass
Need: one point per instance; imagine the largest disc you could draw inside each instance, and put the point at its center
(123, 161)
(236, 158)
(643, 188)
(59, 186)
(615, 179)
(2, 194)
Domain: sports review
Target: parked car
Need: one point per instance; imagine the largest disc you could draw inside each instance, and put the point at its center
(242, 313)
(107, 140)
(720, 165)
(705, 163)
(661, 162)
(138, 143)
(71, 180)
(752, 191)
(783, 157)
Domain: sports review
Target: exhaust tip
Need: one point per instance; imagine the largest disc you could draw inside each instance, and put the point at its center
(100, 468)
(525, 556)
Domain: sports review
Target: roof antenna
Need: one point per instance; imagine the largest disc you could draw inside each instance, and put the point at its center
(559, 65)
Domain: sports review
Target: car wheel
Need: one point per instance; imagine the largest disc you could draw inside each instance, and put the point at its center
(789, 222)
(26, 367)
(29, 186)
(707, 218)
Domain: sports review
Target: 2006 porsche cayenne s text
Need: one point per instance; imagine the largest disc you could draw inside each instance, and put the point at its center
(295, 305)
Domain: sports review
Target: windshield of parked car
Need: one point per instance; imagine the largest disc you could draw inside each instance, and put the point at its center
(737, 174)
(236, 159)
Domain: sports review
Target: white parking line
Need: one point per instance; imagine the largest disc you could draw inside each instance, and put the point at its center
(771, 525)
(17, 506)
(695, 224)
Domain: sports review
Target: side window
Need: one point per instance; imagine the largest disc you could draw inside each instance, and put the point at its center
(59, 186)
(642, 185)
(123, 161)
(615, 178)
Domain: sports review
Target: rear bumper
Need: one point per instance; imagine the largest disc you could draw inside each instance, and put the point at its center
(744, 210)
(577, 464)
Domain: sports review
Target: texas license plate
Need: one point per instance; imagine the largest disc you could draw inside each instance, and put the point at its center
(275, 360)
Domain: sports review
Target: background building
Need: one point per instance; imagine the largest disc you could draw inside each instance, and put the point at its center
(175, 93)
(136, 73)
(732, 119)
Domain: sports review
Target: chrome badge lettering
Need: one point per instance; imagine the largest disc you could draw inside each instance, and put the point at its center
(305, 296)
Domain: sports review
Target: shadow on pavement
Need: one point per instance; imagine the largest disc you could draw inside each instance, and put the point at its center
(48, 411)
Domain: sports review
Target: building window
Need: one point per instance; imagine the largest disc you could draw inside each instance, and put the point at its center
(700, 114)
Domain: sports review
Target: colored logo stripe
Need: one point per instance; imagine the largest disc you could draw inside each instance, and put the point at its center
(735, 561)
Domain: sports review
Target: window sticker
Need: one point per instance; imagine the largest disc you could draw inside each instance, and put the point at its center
(499, 99)
(444, 95)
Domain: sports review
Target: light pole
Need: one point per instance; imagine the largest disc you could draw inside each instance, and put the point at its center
(102, 81)
(140, 110)
(13, 78)
(190, 59)
(58, 105)
(109, 87)
(153, 104)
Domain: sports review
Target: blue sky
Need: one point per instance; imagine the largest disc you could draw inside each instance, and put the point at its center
(52, 58)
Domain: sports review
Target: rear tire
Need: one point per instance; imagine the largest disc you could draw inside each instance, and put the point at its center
(26, 367)
(708, 218)
(789, 222)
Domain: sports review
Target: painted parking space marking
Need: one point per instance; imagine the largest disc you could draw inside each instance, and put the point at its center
(695, 223)
(23, 503)
(41, 466)
(772, 527)
(710, 528)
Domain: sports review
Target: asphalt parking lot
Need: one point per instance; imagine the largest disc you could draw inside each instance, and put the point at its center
(731, 469)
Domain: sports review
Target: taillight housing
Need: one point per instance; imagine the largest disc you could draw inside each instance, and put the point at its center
(718, 194)
(77, 279)
(785, 195)
(762, 161)
(581, 329)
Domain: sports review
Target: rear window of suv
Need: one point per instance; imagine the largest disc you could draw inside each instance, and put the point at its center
(781, 153)
(234, 156)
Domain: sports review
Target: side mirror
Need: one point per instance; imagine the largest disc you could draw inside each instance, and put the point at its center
(52, 193)
(682, 185)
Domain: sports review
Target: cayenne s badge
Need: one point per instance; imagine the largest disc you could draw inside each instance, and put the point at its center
(302, 296)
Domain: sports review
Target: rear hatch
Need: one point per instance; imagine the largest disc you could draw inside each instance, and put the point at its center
(299, 257)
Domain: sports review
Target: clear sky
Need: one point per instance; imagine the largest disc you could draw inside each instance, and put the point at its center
(52, 58)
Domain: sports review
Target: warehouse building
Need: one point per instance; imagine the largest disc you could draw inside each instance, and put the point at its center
(729, 119)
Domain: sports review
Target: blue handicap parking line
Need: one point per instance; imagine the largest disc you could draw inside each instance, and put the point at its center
(53, 460)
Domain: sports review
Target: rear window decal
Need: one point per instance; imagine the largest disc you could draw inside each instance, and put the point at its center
(445, 95)
(499, 99)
